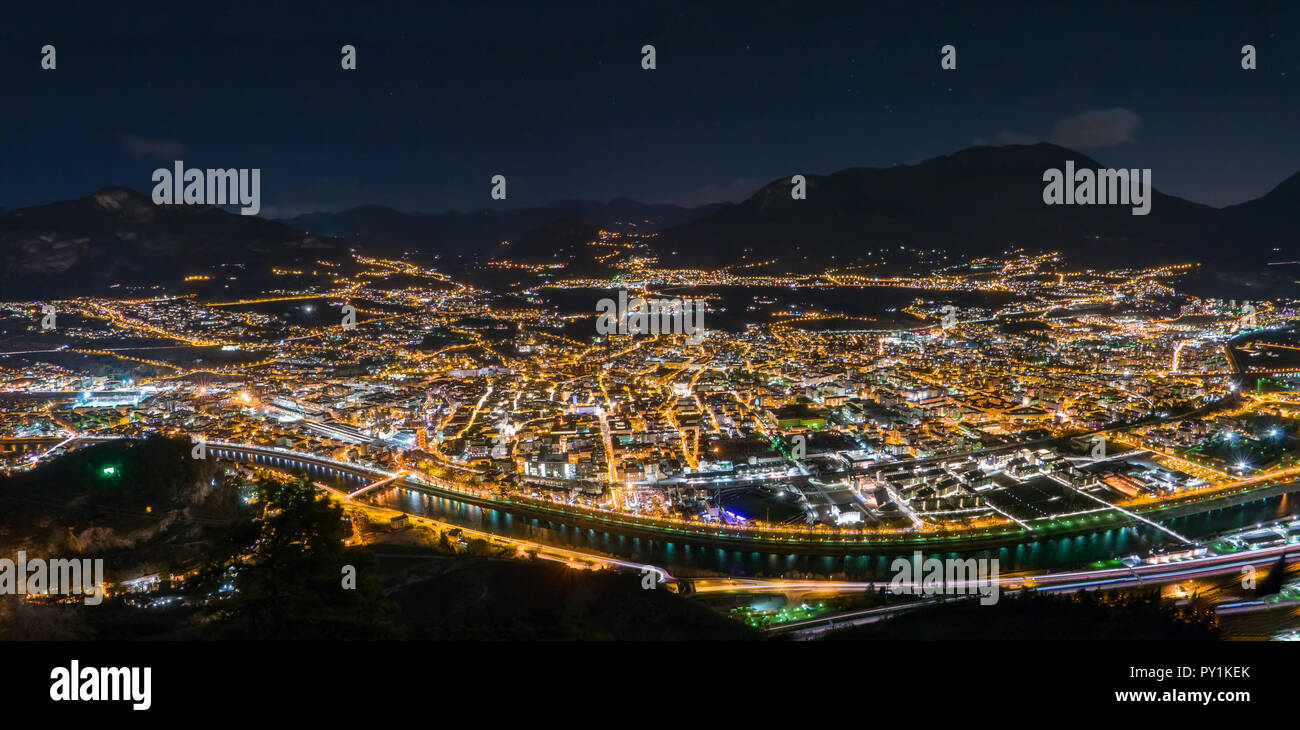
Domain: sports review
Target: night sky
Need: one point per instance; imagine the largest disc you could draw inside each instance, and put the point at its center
(446, 95)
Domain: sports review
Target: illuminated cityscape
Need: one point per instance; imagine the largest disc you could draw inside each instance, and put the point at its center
(1050, 398)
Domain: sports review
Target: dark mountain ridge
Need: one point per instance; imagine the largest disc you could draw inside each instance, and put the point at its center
(119, 236)
(979, 201)
(456, 232)
(982, 200)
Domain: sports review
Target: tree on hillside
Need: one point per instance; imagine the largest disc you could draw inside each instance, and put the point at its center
(288, 568)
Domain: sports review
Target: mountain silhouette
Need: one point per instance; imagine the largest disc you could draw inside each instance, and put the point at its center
(979, 201)
(982, 200)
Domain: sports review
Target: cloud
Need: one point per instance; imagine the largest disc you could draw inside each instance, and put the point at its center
(139, 147)
(1091, 128)
(1096, 128)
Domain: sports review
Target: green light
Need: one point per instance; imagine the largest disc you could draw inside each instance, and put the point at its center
(109, 471)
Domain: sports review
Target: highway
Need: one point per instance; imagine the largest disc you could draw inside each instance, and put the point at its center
(1147, 574)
